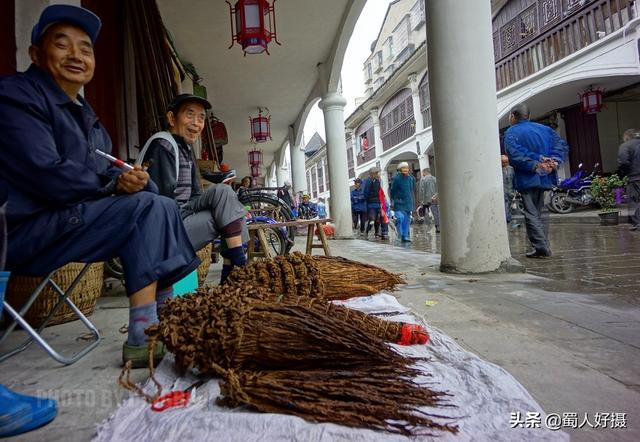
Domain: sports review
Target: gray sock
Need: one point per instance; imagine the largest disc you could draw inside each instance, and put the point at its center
(161, 298)
(141, 317)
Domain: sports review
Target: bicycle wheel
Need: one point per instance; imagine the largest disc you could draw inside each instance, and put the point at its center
(264, 204)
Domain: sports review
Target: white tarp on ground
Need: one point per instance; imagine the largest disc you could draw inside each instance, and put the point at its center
(485, 395)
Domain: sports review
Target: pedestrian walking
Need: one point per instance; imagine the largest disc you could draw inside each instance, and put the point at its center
(535, 151)
(401, 195)
(629, 166)
(358, 206)
(507, 183)
(372, 187)
(428, 195)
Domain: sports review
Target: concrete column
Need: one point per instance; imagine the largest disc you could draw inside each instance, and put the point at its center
(332, 106)
(424, 161)
(281, 174)
(415, 98)
(376, 132)
(465, 128)
(298, 170)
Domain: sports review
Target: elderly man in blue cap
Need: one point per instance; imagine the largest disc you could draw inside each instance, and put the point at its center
(65, 202)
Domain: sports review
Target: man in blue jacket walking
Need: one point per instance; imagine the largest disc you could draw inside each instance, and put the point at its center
(358, 206)
(535, 151)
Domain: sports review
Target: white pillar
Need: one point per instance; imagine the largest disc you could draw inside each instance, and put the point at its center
(377, 137)
(332, 106)
(424, 161)
(465, 129)
(298, 168)
(415, 99)
(281, 174)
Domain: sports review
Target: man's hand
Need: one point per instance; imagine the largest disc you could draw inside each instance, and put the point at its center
(545, 167)
(132, 181)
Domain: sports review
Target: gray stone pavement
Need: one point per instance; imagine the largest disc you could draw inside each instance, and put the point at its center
(574, 350)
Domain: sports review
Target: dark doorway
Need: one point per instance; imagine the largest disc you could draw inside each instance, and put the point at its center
(583, 139)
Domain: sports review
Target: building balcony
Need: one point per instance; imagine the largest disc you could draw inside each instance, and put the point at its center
(520, 55)
(366, 155)
(398, 134)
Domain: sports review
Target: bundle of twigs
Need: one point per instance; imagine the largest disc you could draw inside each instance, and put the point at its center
(248, 328)
(378, 398)
(298, 356)
(316, 276)
(344, 278)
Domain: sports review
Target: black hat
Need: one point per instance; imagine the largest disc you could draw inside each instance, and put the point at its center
(183, 98)
(81, 17)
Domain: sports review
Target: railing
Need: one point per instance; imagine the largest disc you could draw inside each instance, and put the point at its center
(366, 155)
(400, 133)
(568, 36)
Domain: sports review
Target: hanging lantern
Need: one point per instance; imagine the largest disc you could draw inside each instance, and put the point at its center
(255, 171)
(260, 127)
(255, 157)
(255, 25)
(592, 100)
(219, 132)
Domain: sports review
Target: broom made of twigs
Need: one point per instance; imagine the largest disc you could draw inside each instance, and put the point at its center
(379, 398)
(315, 276)
(234, 330)
(210, 319)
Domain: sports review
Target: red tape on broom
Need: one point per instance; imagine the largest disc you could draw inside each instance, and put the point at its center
(413, 334)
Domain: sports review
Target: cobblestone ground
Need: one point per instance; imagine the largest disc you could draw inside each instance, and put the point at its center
(586, 258)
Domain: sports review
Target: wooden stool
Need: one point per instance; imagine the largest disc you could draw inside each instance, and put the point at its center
(256, 231)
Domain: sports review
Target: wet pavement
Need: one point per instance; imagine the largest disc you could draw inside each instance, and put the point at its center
(587, 258)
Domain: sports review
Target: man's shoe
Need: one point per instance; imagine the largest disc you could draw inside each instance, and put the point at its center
(139, 354)
(20, 413)
(384, 238)
(406, 239)
(514, 226)
(539, 254)
(220, 177)
(437, 229)
(634, 227)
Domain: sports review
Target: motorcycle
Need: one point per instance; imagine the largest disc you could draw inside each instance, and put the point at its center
(573, 192)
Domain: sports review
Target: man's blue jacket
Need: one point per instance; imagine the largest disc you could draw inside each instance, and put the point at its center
(47, 157)
(401, 192)
(358, 203)
(526, 144)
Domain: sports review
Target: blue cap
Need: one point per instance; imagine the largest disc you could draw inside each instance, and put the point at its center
(75, 15)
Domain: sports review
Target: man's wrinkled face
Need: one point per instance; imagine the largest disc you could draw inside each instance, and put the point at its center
(505, 160)
(189, 121)
(404, 170)
(66, 53)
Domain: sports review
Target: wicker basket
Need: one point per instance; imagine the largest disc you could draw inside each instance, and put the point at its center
(84, 296)
(203, 269)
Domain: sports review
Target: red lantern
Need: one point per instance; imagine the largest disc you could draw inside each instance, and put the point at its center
(592, 100)
(255, 157)
(255, 171)
(255, 25)
(219, 132)
(260, 127)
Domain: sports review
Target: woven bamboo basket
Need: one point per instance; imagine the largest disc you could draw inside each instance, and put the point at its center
(203, 269)
(84, 296)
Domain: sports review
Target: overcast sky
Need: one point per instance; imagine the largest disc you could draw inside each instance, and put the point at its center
(359, 48)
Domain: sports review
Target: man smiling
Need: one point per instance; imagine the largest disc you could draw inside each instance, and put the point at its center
(172, 166)
(66, 203)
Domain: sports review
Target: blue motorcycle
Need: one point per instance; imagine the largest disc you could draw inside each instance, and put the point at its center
(573, 192)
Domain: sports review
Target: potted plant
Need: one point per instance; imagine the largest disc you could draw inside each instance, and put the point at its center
(608, 193)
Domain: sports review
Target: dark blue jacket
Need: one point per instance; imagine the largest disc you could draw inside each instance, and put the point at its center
(47, 153)
(401, 192)
(358, 203)
(371, 192)
(526, 143)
